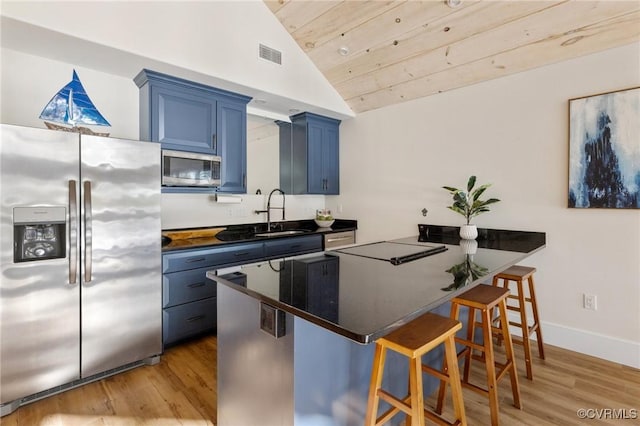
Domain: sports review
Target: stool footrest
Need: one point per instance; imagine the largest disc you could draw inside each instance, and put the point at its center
(504, 369)
(475, 388)
(468, 343)
(397, 403)
(435, 373)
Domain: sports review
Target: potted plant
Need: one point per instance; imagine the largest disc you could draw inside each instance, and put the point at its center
(469, 205)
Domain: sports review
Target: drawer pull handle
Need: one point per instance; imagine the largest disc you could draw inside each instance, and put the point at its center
(196, 318)
(244, 253)
(194, 285)
(330, 240)
(295, 246)
(197, 259)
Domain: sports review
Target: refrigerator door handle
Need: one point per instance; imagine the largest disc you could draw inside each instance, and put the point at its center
(73, 232)
(87, 231)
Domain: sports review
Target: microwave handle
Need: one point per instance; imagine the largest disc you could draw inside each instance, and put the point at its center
(214, 142)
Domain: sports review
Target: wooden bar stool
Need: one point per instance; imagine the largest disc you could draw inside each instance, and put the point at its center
(519, 274)
(484, 298)
(413, 340)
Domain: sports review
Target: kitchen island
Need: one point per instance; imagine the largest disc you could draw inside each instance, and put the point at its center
(321, 312)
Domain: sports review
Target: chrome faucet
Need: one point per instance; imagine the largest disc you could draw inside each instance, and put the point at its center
(268, 210)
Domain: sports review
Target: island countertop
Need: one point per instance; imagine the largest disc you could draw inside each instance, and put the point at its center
(362, 298)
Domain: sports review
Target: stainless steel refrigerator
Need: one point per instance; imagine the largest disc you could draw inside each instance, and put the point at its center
(80, 257)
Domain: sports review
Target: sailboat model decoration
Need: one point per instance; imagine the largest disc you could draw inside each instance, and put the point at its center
(71, 105)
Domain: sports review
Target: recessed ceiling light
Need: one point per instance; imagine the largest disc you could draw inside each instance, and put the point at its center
(259, 101)
(453, 3)
(344, 51)
(293, 110)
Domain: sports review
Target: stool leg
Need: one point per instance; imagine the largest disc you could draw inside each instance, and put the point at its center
(524, 326)
(417, 396)
(455, 313)
(451, 357)
(492, 385)
(471, 332)
(505, 284)
(375, 384)
(508, 348)
(536, 318)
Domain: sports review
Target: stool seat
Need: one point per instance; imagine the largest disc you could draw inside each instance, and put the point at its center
(519, 274)
(485, 299)
(413, 340)
(420, 336)
(482, 297)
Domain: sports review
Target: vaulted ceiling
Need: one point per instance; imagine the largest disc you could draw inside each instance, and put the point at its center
(378, 53)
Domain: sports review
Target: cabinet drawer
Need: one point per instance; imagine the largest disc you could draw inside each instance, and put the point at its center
(292, 246)
(187, 320)
(186, 286)
(227, 254)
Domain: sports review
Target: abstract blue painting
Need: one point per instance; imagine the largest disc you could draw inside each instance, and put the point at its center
(604, 150)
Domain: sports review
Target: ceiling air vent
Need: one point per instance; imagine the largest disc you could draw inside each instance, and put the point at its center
(270, 54)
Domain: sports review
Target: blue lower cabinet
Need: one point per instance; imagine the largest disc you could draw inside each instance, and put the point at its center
(227, 255)
(293, 246)
(189, 297)
(186, 286)
(187, 320)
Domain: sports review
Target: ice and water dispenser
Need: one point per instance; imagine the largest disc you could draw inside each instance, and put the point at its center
(38, 233)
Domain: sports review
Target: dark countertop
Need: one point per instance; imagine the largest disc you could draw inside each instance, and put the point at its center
(246, 233)
(363, 298)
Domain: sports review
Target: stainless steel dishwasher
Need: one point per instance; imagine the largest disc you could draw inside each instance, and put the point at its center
(339, 239)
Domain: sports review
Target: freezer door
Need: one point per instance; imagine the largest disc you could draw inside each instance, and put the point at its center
(121, 252)
(39, 302)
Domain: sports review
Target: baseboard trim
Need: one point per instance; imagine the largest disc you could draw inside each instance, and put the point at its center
(613, 349)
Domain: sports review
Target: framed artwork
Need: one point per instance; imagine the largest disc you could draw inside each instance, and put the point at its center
(604, 150)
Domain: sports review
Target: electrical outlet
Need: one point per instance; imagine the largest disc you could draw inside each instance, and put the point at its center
(590, 302)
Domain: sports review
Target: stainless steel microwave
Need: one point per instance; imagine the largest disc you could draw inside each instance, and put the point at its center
(181, 168)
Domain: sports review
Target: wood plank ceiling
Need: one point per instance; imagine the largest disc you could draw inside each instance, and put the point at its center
(402, 50)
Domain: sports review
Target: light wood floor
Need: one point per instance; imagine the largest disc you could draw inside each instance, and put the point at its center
(181, 390)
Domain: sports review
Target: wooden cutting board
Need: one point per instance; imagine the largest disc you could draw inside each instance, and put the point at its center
(185, 234)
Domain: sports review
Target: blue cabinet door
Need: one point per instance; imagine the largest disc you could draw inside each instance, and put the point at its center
(330, 160)
(232, 146)
(322, 151)
(315, 160)
(183, 120)
(309, 161)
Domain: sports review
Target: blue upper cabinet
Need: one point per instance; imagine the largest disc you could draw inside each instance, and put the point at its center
(183, 120)
(187, 116)
(232, 131)
(310, 156)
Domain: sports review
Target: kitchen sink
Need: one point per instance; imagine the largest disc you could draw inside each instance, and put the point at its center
(281, 233)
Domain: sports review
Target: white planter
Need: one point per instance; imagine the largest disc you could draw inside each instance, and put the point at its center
(468, 232)
(469, 246)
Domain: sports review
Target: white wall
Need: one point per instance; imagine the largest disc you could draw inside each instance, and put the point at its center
(213, 42)
(28, 82)
(511, 132)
